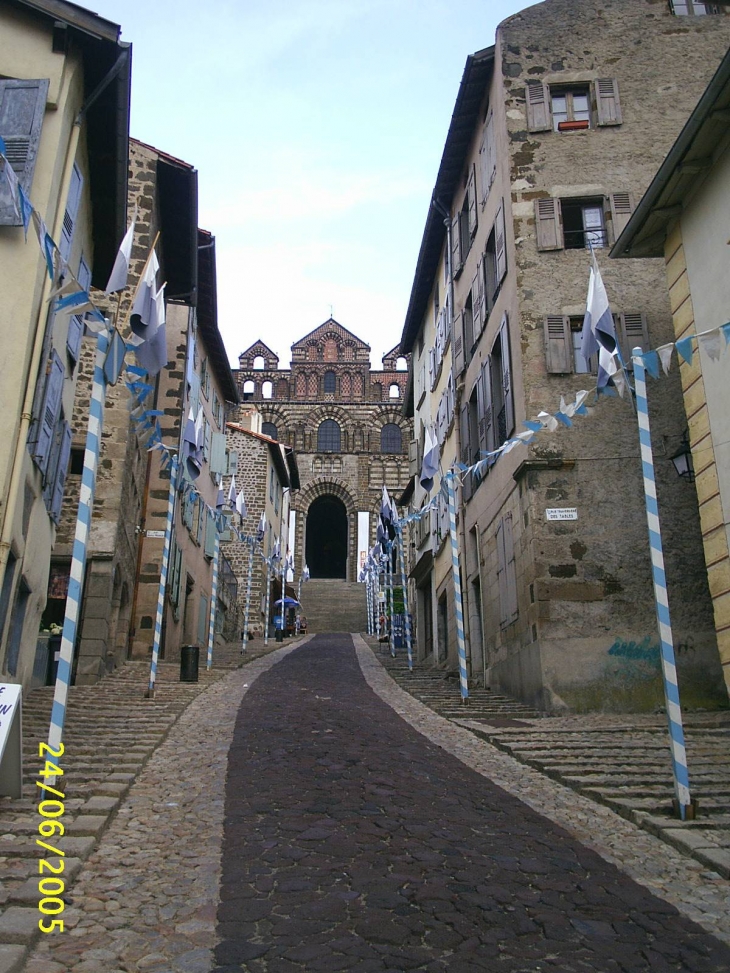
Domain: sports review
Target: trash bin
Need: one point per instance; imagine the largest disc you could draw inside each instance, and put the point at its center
(189, 659)
(280, 635)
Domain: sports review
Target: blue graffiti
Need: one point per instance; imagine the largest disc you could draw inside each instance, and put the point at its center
(643, 650)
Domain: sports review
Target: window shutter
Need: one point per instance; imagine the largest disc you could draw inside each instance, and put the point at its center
(73, 338)
(200, 525)
(471, 193)
(501, 573)
(632, 331)
(487, 157)
(537, 99)
(459, 360)
(509, 404)
(22, 106)
(431, 368)
(510, 613)
(218, 462)
(61, 470)
(210, 535)
(558, 344)
(465, 450)
(413, 468)
(481, 415)
(450, 400)
(547, 222)
(500, 243)
(50, 407)
(476, 302)
(455, 246)
(207, 433)
(71, 212)
(621, 209)
(489, 424)
(608, 106)
(194, 392)
(172, 572)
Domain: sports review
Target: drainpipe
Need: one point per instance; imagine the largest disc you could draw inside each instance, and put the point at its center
(35, 362)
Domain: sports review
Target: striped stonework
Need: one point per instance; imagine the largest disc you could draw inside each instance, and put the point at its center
(714, 532)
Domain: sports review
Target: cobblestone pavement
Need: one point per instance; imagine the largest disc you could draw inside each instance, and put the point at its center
(352, 844)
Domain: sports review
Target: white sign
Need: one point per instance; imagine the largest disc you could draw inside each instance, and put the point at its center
(155, 533)
(561, 513)
(11, 741)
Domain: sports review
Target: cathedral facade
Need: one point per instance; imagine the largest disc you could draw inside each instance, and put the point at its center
(345, 423)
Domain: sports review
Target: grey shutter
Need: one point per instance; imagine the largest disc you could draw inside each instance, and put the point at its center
(537, 99)
(621, 209)
(558, 344)
(232, 461)
(608, 106)
(476, 302)
(218, 462)
(509, 404)
(489, 424)
(50, 407)
(471, 194)
(487, 157)
(510, 613)
(459, 360)
(455, 246)
(465, 451)
(501, 573)
(61, 471)
(413, 467)
(71, 212)
(195, 393)
(481, 415)
(632, 331)
(547, 223)
(207, 433)
(450, 400)
(500, 244)
(210, 535)
(22, 106)
(200, 526)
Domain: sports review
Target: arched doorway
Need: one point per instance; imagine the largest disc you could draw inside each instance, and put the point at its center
(326, 548)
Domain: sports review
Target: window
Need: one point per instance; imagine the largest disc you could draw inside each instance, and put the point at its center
(562, 108)
(328, 437)
(401, 364)
(267, 390)
(22, 107)
(391, 439)
(464, 225)
(248, 390)
(692, 8)
(394, 391)
(330, 382)
(269, 429)
(576, 223)
(563, 340)
(581, 366)
(259, 362)
(487, 157)
(571, 108)
(506, 575)
(17, 621)
(271, 483)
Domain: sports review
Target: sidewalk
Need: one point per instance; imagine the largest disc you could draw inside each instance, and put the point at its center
(111, 733)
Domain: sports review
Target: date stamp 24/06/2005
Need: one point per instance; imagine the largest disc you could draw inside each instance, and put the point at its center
(50, 885)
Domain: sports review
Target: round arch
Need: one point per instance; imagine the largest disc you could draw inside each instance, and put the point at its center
(326, 537)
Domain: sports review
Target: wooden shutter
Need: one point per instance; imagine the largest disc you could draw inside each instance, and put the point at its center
(413, 467)
(632, 331)
(455, 246)
(465, 450)
(22, 106)
(450, 400)
(195, 393)
(210, 530)
(218, 463)
(500, 244)
(459, 359)
(489, 423)
(471, 195)
(621, 209)
(481, 416)
(431, 368)
(200, 525)
(547, 222)
(61, 471)
(476, 302)
(72, 208)
(608, 106)
(501, 573)
(537, 99)
(76, 323)
(232, 461)
(558, 344)
(50, 407)
(487, 157)
(509, 405)
(207, 435)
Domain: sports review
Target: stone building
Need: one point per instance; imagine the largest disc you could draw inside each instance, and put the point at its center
(267, 473)
(684, 217)
(64, 119)
(344, 420)
(557, 131)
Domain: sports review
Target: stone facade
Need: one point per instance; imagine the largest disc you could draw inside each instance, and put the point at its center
(563, 134)
(331, 379)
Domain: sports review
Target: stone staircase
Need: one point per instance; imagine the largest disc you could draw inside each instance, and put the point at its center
(439, 690)
(331, 605)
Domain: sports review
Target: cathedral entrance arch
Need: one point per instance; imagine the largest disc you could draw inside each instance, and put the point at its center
(326, 546)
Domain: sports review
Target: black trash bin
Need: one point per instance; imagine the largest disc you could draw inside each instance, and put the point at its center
(189, 659)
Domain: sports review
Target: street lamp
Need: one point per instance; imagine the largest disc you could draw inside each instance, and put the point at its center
(682, 460)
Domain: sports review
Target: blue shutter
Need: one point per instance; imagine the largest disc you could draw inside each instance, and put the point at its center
(210, 535)
(71, 212)
(50, 407)
(22, 107)
(201, 520)
(61, 471)
(195, 393)
(206, 439)
(218, 453)
(73, 339)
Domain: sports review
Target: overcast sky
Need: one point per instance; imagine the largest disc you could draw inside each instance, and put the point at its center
(316, 127)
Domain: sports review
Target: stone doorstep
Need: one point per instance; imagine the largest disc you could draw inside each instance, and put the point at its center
(12, 958)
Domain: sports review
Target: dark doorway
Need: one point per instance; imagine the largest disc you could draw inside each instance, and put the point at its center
(327, 538)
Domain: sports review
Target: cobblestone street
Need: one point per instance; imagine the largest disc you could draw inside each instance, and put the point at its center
(362, 831)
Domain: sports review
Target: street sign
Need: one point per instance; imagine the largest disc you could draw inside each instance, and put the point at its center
(561, 513)
(11, 741)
